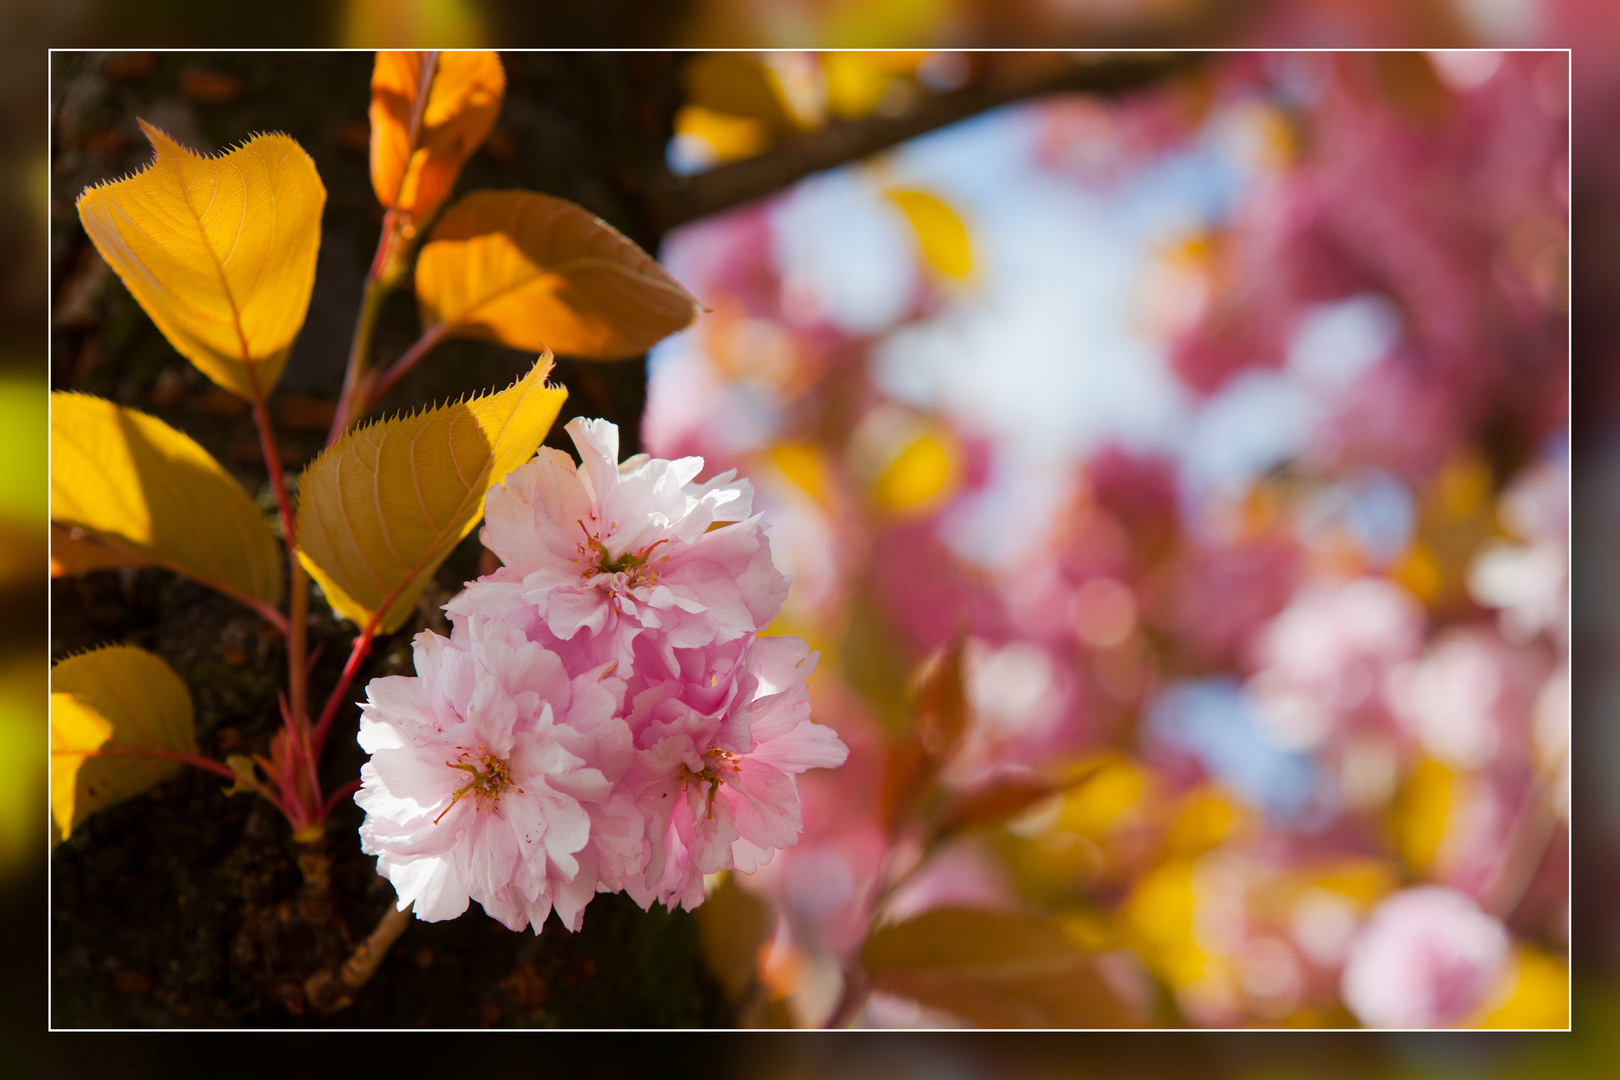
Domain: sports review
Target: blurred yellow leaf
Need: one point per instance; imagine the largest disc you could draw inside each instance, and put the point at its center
(533, 272)
(731, 138)
(117, 698)
(1161, 915)
(856, 82)
(141, 488)
(1421, 811)
(737, 84)
(1420, 572)
(1104, 801)
(382, 508)
(805, 464)
(1535, 993)
(922, 475)
(414, 175)
(448, 24)
(1206, 815)
(994, 968)
(219, 251)
(940, 232)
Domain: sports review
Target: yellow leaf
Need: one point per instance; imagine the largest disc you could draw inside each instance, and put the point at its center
(994, 968)
(141, 488)
(536, 273)
(1534, 993)
(940, 232)
(1422, 812)
(730, 138)
(856, 82)
(463, 102)
(380, 509)
(922, 475)
(737, 84)
(117, 698)
(220, 251)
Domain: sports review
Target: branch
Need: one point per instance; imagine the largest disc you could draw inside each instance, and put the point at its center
(687, 198)
(331, 990)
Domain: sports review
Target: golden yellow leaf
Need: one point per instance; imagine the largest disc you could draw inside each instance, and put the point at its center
(139, 487)
(220, 251)
(1534, 993)
(994, 968)
(925, 472)
(533, 272)
(940, 232)
(729, 138)
(739, 85)
(464, 99)
(380, 509)
(117, 698)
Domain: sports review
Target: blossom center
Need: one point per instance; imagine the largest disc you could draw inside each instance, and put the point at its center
(716, 763)
(597, 560)
(489, 779)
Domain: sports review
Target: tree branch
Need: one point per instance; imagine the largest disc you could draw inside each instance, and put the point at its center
(687, 198)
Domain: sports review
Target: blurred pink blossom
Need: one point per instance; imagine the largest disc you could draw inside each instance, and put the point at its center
(1426, 958)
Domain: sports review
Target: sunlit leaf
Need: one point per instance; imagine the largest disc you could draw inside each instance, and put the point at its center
(117, 698)
(994, 968)
(940, 232)
(220, 251)
(138, 486)
(379, 510)
(414, 176)
(534, 272)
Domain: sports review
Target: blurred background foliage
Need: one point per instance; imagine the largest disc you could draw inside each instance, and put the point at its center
(1178, 814)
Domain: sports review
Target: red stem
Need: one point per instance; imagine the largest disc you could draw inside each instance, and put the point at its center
(407, 360)
(362, 646)
(297, 636)
(153, 752)
(338, 796)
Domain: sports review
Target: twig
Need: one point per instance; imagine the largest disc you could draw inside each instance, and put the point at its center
(362, 646)
(407, 360)
(330, 991)
(380, 278)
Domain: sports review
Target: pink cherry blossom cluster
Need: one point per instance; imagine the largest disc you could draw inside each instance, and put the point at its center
(604, 714)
